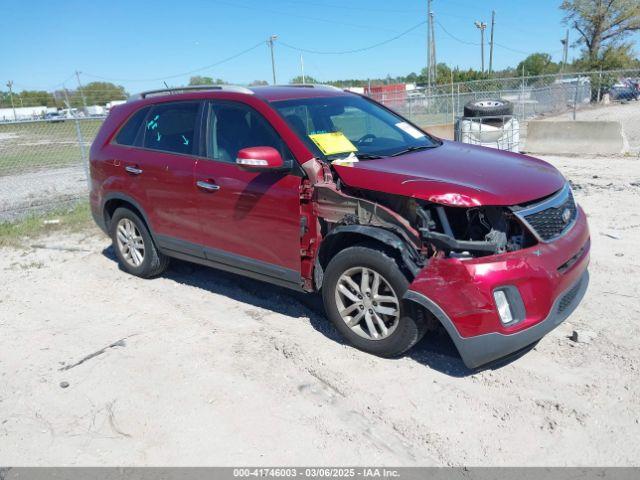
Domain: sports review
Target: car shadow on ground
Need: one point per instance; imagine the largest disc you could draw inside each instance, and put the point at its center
(435, 350)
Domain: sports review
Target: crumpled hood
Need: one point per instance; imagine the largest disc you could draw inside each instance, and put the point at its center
(457, 174)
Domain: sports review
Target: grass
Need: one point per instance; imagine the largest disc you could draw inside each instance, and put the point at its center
(33, 145)
(73, 219)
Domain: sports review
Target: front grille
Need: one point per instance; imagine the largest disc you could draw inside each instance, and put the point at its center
(549, 223)
(569, 297)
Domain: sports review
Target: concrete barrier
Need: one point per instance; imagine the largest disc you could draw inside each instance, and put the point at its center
(444, 131)
(575, 137)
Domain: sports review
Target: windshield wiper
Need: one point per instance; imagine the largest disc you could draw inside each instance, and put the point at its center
(413, 149)
(367, 156)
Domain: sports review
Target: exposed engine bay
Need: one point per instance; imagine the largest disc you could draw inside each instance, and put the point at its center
(426, 229)
(456, 231)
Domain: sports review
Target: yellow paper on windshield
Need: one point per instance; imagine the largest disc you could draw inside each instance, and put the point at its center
(332, 143)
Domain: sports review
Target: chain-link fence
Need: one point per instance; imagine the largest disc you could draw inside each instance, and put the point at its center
(531, 96)
(43, 163)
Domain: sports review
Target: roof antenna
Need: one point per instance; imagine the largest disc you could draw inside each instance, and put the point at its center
(167, 87)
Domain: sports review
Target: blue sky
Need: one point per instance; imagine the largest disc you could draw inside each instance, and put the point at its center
(137, 43)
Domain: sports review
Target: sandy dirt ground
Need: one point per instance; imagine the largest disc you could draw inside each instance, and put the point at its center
(200, 367)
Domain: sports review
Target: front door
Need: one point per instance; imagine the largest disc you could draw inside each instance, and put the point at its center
(249, 220)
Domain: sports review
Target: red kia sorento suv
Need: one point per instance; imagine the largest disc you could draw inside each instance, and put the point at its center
(318, 189)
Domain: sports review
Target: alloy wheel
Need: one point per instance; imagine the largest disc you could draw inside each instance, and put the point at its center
(130, 242)
(367, 303)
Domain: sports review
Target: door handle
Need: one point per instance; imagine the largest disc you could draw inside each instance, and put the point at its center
(208, 186)
(133, 170)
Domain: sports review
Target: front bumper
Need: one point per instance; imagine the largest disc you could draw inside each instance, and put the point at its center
(551, 278)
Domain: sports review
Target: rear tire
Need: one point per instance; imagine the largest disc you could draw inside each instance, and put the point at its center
(378, 323)
(135, 249)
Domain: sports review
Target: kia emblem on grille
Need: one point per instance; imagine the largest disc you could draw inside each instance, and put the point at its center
(566, 216)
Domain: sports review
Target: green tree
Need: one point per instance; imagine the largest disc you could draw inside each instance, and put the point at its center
(98, 93)
(200, 80)
(538, 64)
(601, 23)
(34, 98)
(258, 83)
(611, 57)
(307, 79)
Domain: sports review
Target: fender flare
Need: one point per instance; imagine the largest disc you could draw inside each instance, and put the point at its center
(408, 254)
(125, 198)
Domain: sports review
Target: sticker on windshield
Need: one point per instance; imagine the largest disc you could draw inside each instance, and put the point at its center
(410, 129)
(333, 143)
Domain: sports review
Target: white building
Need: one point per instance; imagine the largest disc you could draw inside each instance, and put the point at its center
(22, 113)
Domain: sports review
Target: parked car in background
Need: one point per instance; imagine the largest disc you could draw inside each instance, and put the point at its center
(625, 90)
(322, 190)
(54, 117)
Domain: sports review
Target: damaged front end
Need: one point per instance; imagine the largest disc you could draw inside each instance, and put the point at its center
(416, 229)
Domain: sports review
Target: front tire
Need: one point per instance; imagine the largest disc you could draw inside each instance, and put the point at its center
(362, 293)
(136, 252)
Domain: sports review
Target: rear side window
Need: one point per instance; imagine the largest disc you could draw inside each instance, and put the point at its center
(127, 134)
(171, 127)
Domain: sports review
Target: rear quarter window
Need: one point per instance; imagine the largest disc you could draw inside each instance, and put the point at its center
(128, 133)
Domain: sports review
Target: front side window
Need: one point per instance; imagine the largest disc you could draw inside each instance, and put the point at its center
(232, 126)
(171, 127)
(334, 127)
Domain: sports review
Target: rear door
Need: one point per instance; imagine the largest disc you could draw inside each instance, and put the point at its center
(249, 220)
(163, 167)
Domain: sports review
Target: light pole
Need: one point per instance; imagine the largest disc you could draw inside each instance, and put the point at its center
(493, 25)
(565, 51)
(481, 26)
(270, 41)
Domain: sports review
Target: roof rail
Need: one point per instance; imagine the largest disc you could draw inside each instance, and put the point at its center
(191, 88)
(311, 85)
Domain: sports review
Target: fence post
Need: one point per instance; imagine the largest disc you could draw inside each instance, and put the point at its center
(599, 83)
(83, 154)
(575, 99)
(453, 102)
(522, 97)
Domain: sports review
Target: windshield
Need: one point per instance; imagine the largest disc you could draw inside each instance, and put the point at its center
(335, 127)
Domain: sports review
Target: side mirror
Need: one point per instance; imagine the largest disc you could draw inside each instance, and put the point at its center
(259, 159)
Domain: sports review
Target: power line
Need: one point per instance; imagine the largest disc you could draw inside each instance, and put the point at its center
(454, 37)
(207, 67)
(332, 21)
(522, 51)
(457, 39)
(355, 50)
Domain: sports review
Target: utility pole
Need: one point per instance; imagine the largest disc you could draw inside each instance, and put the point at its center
(84, 100)
(493, 24)
(270, 41)
(429, 45)
(10, 85)
(302, 69)
(565, 51)
(434, 62)
(481, 26)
